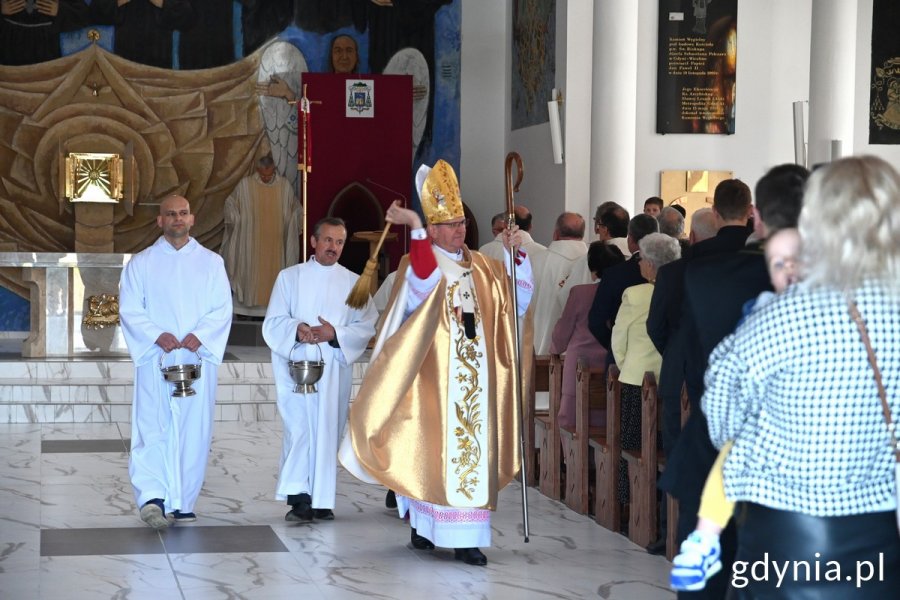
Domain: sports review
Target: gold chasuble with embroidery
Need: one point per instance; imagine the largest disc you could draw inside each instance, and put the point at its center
(429, 382)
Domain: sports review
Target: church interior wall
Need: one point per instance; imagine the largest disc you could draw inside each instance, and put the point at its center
(578, 107)
(484, 107)
(772, 73)
(544, 188)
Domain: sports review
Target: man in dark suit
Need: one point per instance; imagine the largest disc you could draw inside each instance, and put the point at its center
(608, 298)
(722, 228)
(663, 326)
(731, 210)
(611, 226)
(716, 287)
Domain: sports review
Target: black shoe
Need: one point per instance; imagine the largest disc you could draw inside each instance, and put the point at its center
(323, 514)
(301, 510)
(419, 542)
(390, 501)
(657, 548)
(470, 556)
(299, 514)
(181, 517)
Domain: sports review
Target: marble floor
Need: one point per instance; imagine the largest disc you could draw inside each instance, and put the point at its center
(69, 530)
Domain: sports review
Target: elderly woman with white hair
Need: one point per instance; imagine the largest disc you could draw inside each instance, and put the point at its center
(800, 388)
(632, 348)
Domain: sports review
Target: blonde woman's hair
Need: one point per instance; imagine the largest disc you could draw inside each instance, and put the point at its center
(850, 225)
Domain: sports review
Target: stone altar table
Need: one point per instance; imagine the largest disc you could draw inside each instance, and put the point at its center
(60, 285)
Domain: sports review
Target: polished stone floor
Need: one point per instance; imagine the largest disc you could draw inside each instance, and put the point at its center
(69, 530)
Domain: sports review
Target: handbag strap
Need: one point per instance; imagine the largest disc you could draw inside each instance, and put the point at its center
(885, 408)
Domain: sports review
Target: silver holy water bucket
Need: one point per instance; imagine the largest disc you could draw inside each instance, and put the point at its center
(305, 373)
(181, 375)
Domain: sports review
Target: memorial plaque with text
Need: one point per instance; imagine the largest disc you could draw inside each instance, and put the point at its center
(697, 66)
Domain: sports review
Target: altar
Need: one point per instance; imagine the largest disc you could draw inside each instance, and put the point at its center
(74, 303)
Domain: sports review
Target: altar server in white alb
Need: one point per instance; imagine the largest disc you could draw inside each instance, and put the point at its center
(554, 267)
(175, 305)
(308, 319)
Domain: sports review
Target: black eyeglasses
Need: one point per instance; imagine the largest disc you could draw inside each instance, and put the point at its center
(456, 225)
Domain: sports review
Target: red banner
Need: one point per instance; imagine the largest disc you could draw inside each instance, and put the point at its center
(362, 126)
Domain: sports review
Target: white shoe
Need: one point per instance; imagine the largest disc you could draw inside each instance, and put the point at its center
(699, 559)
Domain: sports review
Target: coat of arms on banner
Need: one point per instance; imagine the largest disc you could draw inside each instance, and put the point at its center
(361, 98)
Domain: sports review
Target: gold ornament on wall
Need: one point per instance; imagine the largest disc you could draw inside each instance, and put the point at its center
(93, 177)
(103, 311)
(692, 190)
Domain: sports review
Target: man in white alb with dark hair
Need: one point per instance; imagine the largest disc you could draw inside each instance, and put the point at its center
(307, 319)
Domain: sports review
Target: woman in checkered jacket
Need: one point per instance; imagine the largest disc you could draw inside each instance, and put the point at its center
(811, 467)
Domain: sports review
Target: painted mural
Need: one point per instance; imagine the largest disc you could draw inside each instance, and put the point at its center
(196, 120)
(533, 57)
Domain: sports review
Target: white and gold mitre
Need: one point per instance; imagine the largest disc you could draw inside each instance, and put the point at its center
(439, 193)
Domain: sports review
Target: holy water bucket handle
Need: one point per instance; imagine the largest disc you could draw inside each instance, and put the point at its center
(163, 354)
(296, 344)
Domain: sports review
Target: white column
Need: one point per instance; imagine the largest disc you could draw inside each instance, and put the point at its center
(484, 106)
(578, 105)
(613, 119)
(832, 73)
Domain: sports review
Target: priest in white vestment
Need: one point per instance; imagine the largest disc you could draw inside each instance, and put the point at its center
(435, 418)
(611, 227)
(261, 236)
(175, 308)
(308, 319)
(494, 248)
(553, 269)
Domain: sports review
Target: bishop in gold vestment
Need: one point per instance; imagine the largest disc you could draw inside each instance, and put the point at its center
(435, 419)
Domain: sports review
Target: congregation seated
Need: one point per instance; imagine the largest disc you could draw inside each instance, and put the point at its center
(631, 346)
(571, 335)
(552, 269)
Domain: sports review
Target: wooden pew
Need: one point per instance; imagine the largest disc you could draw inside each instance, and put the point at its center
(547, 433)
(530, 415)
(672, 504)
(607, 451)
(590, 392)
(642, 469)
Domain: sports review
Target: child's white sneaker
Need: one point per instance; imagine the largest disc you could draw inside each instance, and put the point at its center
(699, 559)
